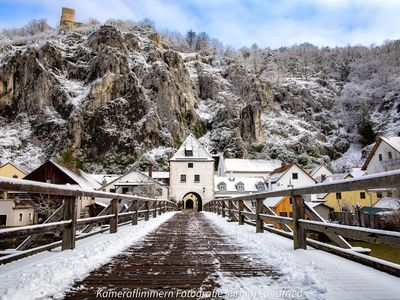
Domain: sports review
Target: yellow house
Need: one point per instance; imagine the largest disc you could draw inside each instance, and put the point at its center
(10, 170)
(346, 201)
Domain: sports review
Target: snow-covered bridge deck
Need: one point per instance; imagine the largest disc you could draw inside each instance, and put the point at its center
(201, 250)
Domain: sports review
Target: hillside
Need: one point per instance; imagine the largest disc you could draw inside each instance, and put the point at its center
(115, 97)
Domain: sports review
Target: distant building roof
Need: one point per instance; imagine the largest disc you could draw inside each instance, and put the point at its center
(388, 203)
(22, 170)
(101, 178)
(251, 165)
(313, 171)
(158, 174)
(196, 149)
(272, 202)
(250, 183)
(394, 142)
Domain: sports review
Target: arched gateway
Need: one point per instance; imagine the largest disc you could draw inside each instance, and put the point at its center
(193, 201)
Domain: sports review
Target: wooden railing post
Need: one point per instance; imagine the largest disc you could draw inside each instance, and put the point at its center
(69, 231)
(159, 208)
(218, 208)
(299, 234)
(114, 211)
(155, 209)
(135, 209)
(259, 221)
(240, 209)
(147, 213)
(230, 206)
(223, 209)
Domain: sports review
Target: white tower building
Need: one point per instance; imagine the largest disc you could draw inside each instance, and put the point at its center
(192, 175)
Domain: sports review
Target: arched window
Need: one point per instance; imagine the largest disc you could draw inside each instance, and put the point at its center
(240, 186)
(260, 186)
(222, 186)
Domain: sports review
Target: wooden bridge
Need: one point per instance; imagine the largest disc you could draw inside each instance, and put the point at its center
(187, 252)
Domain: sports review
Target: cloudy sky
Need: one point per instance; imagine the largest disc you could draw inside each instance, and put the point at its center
(272, 23)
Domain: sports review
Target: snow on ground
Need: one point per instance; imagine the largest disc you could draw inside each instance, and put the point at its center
(310, 274)
(350, 159)
(49, 274)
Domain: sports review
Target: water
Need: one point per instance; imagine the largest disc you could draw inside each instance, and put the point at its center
(380, 251)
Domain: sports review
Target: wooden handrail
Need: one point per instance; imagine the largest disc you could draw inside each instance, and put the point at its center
(382, 180)
(34, 187)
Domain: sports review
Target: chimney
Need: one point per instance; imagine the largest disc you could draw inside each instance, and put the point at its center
(150, 170)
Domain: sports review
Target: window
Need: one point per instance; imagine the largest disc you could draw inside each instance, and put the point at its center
(240, 186)
(379, 194)
(189, 151)
(30, 217)
(283, 214)
(291, 214)
(291, 200)
(260, 186)
(338, 196)
(380, 157)
(253, 203)
(295, 176)
(15, 176)
(190, 165)
(362, 195)
(196, 178)
(183, 178)
(125, 190)
(390, 155)
(20, 217)
(389, 194)
(112, 190)
(222, 186)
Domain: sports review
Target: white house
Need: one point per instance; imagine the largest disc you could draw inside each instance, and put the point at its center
(385, 156)
(290, 175)
(14, 212)
(246, 167)
(320, 173)
(136, 183)
(192, 175)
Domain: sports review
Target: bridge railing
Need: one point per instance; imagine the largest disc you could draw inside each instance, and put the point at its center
(306, 219)
(138, 208)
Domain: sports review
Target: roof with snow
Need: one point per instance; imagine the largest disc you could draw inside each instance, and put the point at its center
(393, 142)
(101, 178)
(82, 179)
(191, 149)
(158, 174)
(22, 170)
(388, 203)
(316, 169)
(279, 172)
(132, 178)
(250, 183)
(251, 165)
(78, 177)
(272, 202)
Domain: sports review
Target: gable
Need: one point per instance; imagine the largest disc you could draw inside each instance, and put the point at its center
(392, 142)
(191, 149)
(50, 172)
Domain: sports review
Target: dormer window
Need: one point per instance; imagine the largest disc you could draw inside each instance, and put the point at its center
(260, 186)
(189, 151)
(240, 186)
(222, 186)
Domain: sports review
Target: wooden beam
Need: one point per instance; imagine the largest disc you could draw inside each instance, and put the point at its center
(259, 221)
(299, 233)
(135, 216)
(339, 240)
(240, 212)
(114, 211)
(33, 229)
(147, 211)
(69, 232)
(389, 238)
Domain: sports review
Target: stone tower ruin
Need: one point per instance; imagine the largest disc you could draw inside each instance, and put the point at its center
(68, 18)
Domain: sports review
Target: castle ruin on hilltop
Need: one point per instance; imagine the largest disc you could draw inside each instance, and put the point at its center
(68, 19)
